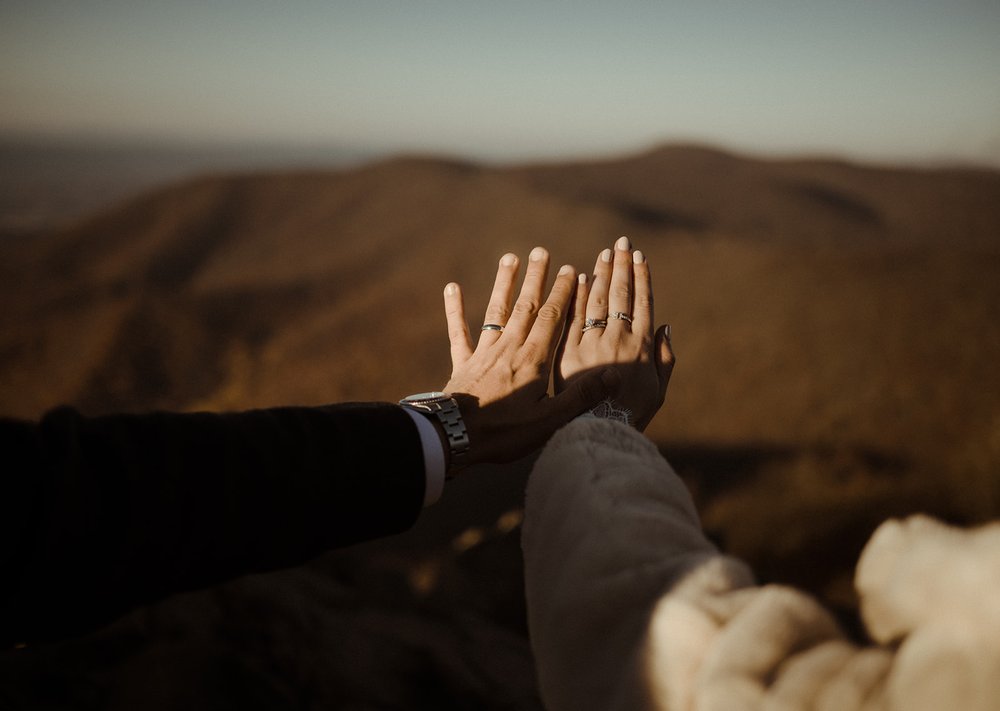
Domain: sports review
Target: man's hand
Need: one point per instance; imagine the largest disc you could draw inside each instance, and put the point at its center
(501, 384)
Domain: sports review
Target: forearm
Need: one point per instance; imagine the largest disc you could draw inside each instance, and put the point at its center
(631, 607)
(609, 528)
(110, 512)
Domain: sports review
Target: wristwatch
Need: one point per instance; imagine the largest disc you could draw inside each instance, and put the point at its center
(445, 408)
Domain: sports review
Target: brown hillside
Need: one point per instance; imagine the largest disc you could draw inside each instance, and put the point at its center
(837, 329)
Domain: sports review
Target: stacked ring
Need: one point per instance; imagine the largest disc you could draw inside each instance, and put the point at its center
(492, 327)
(594, 323)
(622, 315)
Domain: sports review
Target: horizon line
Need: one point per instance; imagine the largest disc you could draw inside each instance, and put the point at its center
(358, 155)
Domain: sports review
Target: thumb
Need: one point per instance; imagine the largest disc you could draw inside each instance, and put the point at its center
(587, 391)
(665, 358)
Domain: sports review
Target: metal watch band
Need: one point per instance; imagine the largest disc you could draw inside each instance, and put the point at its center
(454, 427)
(446, 410)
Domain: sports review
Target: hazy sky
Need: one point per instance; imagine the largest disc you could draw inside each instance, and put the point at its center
(892, 79)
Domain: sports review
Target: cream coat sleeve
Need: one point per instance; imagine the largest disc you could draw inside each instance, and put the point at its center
(631, 607)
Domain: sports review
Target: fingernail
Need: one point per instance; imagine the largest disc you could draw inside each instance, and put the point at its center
(508, 260)
(537, 254)
(565, 269)
(623, 243)
(666, 332)
(638, 257)
(451, 288)
(606, 255)
(581, 278)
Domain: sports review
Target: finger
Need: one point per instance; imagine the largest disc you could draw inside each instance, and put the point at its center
(544, 334)
(642, 308)
(578, 307)
(574, 329)
(498, 308)
(458, 329)
(664, 358)
(597, 298)
(526, 307)
(620, 292)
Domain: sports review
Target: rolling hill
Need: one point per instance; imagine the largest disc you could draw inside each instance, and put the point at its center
(837, 329)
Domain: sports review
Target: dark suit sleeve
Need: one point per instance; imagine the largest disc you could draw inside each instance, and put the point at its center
(102, 514)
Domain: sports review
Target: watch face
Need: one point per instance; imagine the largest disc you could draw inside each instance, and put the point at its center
(424, 397)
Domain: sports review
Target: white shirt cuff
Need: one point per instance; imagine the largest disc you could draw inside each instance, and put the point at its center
(434, 461)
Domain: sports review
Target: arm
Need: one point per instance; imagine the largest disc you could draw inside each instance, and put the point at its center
(608, 528)
(102, 514)
(629, 605)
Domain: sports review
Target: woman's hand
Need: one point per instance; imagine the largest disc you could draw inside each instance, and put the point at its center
(612, 325)
(501, 384)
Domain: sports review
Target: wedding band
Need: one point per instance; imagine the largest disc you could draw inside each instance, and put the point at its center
(594, 323)
(622, 315)
(492, 327)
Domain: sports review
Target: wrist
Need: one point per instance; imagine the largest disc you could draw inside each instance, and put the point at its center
(443, 412)
(469, 407)
(443, 439)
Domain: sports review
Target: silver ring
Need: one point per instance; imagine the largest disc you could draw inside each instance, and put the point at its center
(492, 327)
(594, 323)
(621, 315)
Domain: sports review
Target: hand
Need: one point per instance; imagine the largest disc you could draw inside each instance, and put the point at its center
(501, 385)
(643, 359)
